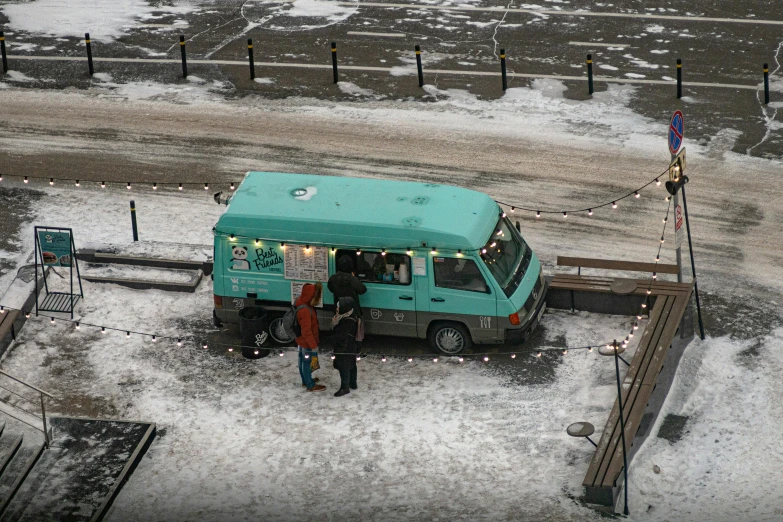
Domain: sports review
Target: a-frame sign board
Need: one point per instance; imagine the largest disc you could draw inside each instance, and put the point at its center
(54, 247)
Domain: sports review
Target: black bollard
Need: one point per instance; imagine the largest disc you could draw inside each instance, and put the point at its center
(590, 88)
(519, 227)
(2, 50)
(184, 60)
(89, 53)
(766, 82)
(679, 78)
(334, 61)
(503, 68)
(250, 57)
(418, 66)
(133, 221)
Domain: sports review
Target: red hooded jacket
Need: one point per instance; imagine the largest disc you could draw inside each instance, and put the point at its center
(307, 318)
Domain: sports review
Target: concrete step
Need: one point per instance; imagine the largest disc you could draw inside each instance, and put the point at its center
(34, 421)
(9, 445)
(142, 277)
(17, 470)
(152, 254)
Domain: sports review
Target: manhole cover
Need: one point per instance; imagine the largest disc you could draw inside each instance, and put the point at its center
(299, 15)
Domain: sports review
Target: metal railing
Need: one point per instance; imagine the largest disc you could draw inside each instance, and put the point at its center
(20, 418)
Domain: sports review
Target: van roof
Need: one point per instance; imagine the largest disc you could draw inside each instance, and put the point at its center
(358, 212)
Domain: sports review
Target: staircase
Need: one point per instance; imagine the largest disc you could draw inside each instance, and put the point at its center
(61, 468)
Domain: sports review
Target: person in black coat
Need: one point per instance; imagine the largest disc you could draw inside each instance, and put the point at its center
(346, 348)
(345, 284)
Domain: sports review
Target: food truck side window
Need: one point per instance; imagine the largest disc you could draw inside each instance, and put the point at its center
(370, 266)
(459, 274)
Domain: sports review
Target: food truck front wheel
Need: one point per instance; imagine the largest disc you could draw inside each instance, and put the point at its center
(449, 338)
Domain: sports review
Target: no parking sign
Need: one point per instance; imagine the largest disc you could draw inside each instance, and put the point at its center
(676, 130)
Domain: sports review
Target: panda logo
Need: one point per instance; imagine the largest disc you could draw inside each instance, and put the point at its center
(239, 260)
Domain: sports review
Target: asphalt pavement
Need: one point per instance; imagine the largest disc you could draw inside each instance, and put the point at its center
(720, 44)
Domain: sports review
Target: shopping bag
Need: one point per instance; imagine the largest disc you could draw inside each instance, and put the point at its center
(360, 330)
(314, 363)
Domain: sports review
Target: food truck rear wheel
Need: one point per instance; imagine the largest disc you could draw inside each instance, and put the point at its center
(449, 338)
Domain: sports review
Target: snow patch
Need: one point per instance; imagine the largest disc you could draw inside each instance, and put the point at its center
(608, 67)
(265, 81)
(104, 20)
(350, 88)
(655, 29)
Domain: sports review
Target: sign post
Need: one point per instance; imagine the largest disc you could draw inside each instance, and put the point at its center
(54, 247)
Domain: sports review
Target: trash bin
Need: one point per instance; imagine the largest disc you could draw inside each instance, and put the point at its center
(254, 332)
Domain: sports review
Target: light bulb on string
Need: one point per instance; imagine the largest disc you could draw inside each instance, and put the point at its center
(486, 358)
(103, 184)
(565, 214)
(614, 204)
(27, 315)
(154, 186)
(206, 186)
(51, 182)
(644, 305)
(230, 348)
(129, 185)
(667, 198)
(636, 194)
(77, 183)
(635, 326)
(281, 353)
(565, 352)
(358, 251)
(503, 215)
(538, 354)
(657, 182)
(358, 358)
(232, 185)
(78, 326)
(383, 358)
(410, 359)
(590, 349)
(154, 339)
(589, 211)
(512, 209)
(127, 334)
(409, 252)
(103, 329)
(655, 276)
(255, 352)
(383, 252)
(307, 248)
(26, 180)
(179, 341)
(460, 358)
(204, 345)
(538, 213)
(513, 356)
(657, 258)
(332, 357)
(180, 186)
(307, 356)
(435, 359)
(52, 318)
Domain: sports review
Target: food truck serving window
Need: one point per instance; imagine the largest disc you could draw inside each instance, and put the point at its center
(507, 256)
(372, 266)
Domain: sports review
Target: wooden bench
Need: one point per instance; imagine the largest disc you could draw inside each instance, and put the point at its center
(8, 328)
(640, 380)
(667, 302)
(610, 264)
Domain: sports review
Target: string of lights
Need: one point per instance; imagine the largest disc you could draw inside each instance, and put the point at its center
(635, 324)
(154, 185)
(636, 194)
(180, 340)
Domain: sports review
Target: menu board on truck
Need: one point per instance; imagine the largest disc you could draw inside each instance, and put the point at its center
(307, 263)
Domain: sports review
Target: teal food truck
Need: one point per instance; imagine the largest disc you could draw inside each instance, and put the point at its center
(439, 262)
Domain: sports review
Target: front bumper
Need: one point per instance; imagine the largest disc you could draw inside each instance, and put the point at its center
(520, 335)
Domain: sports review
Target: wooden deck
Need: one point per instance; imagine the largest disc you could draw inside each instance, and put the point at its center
(668, 302)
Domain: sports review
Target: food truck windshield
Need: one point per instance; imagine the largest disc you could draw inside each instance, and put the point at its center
(507, 256)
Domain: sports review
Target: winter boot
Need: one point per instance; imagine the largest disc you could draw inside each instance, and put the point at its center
(342, 391)
(316, 388)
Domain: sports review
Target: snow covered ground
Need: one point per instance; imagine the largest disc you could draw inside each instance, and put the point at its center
(239, 439)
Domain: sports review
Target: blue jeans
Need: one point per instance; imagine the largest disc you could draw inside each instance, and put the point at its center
(304, 366)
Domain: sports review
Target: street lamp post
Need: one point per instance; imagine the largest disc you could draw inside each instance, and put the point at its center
(615, 350)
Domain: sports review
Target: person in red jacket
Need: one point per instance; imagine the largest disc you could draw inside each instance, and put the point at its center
(309, 340)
